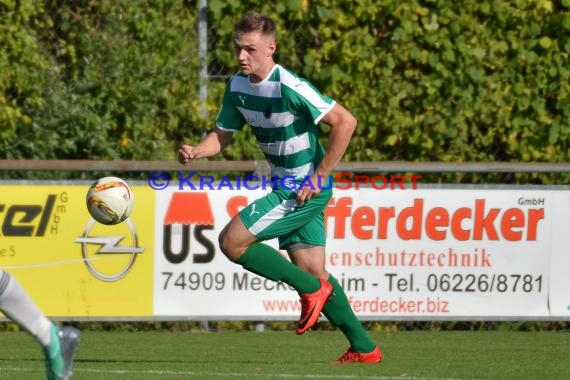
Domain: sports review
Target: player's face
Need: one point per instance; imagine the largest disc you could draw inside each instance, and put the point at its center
(254, 52)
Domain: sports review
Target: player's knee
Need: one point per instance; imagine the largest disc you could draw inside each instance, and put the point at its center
(222, 241)
(225, 243)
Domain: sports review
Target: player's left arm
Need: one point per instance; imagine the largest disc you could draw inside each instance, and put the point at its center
(343, 123)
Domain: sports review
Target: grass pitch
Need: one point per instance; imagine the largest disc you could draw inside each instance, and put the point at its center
(283, 355)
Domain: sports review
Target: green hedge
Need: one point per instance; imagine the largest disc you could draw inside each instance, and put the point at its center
(428, 80)
(96, 79)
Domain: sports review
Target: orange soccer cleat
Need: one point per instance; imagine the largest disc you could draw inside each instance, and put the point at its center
(351, 356)
(311, 306)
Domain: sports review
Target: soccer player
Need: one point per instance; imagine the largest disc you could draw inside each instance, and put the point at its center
(284, 112)
(59, 344)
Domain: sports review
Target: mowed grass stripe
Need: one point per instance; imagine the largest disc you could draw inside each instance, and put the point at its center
(274, 355)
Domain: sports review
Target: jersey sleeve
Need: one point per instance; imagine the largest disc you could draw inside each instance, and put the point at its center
(229, 118)
(305, 99)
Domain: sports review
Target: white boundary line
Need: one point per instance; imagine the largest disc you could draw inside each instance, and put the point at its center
(58, 263)
(229, 374)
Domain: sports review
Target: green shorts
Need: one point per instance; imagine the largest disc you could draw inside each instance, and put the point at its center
(277, 215)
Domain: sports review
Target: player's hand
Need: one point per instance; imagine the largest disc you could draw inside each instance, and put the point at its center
(186, 154)
(310, 189)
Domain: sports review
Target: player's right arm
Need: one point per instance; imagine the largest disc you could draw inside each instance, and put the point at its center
(228, 121)
(211, 145)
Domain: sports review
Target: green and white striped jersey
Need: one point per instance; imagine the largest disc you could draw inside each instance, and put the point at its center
(283, 111)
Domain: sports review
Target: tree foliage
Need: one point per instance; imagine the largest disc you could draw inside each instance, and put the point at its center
(97, 79)
(429, 80)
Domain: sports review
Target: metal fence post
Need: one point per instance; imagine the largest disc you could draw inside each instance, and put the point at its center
(203, 53)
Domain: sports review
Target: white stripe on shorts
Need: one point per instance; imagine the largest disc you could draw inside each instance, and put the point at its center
(273, 215)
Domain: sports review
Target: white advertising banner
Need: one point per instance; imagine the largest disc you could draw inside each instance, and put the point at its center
(459, 253)
(193, 278)
(442, 253)
(559, 290)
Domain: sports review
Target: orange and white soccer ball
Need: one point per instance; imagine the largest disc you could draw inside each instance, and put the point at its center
(110, 200)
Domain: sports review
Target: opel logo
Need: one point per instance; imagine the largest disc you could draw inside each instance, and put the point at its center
(108, 246)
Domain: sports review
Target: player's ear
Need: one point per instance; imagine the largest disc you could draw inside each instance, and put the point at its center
(271, 47)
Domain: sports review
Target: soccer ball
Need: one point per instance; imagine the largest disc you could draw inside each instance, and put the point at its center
(110, 200)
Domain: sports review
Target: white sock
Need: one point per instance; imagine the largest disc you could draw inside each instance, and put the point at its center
(19, 307)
